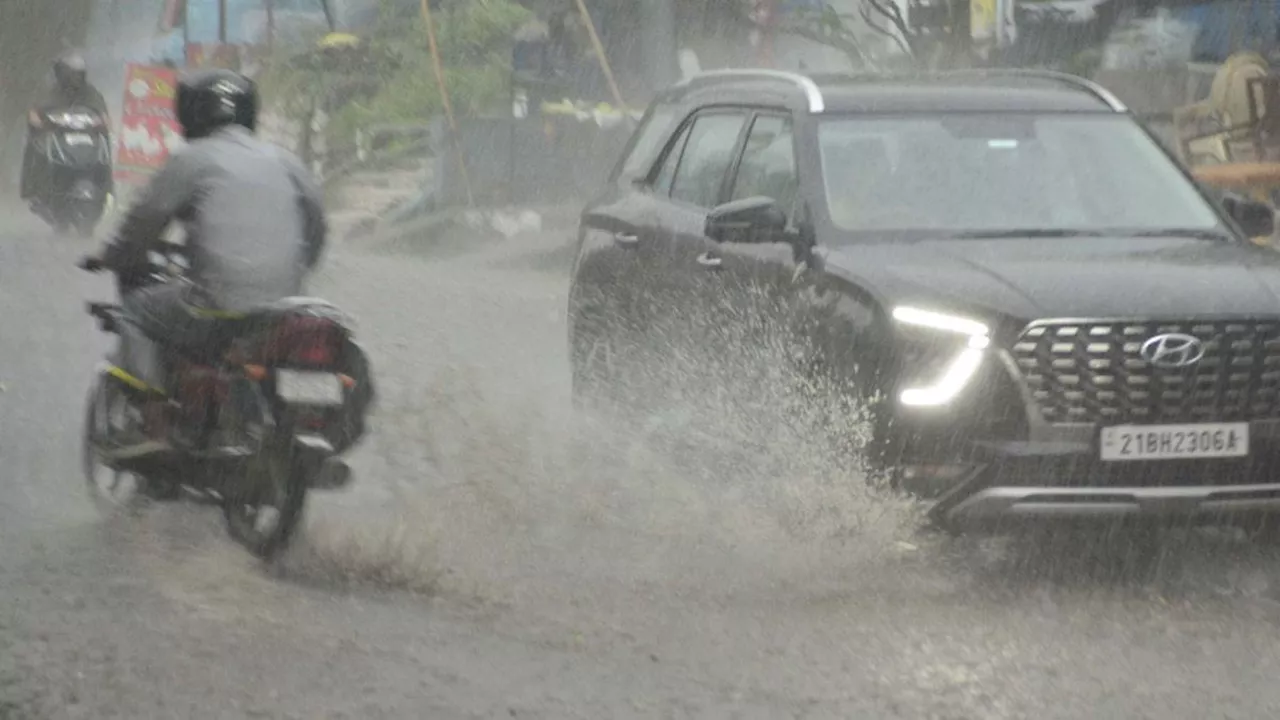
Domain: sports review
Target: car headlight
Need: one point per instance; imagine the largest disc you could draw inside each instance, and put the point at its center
(945, 353)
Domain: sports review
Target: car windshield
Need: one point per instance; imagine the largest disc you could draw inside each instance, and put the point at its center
(977, 175)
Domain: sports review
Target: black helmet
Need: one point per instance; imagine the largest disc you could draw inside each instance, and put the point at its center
(210, 99)
(70, 71)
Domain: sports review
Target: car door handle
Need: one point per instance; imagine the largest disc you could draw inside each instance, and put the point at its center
(709, 261)
(626, 239)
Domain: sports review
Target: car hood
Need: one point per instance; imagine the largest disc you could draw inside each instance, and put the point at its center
(1091, 277)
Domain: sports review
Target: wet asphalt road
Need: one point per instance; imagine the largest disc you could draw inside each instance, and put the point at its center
(480, 570)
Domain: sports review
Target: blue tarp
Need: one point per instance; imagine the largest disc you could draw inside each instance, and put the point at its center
(202, 20)
(1229, 27)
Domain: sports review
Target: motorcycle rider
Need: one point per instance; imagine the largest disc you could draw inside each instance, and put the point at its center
(255, 229)
(71, 87)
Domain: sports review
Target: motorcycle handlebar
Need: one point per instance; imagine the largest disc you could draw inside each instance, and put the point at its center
(95, 263)
(164, 247)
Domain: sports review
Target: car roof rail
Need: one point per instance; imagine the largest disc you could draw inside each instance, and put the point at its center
(1074, 81)
(811, 91)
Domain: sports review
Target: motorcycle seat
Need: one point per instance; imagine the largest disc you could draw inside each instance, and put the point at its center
(298, 305)
(217, 329)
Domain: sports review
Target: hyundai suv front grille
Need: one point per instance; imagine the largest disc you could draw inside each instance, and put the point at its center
(1095, 372)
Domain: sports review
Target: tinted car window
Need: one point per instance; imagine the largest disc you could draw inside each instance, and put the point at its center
(708, 153)
(768, 166)
(978, 173)
(648, 139)
(667, 172)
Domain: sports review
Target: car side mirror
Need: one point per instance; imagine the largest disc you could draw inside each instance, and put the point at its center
(1256, 219)
(750, 220)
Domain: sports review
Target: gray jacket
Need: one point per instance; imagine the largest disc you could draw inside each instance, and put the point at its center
(253, 215)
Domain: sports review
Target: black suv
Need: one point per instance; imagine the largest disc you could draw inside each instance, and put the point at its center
(1061, 321)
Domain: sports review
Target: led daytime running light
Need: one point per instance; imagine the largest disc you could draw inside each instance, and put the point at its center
(961, 370)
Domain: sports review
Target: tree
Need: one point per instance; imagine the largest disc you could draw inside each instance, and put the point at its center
(389, 78)
(827, 26)
(933, 38)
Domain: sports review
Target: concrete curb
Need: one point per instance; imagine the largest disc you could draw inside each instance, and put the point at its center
(497, 223)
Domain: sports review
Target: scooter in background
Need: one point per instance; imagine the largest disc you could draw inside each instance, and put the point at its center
(75, 146)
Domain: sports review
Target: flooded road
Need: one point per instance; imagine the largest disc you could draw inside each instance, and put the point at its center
(504, 556)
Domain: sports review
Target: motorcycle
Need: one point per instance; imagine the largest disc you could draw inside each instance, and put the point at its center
(265, 407)
(75, 145)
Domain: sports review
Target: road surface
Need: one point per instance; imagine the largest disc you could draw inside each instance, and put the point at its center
(502, 557)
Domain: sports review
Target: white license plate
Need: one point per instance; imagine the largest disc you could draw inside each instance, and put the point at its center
(308, 388)
(1175, 442)
(79, 139)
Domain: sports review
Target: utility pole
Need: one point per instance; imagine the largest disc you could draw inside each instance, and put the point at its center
(601, 57)
(438, 66)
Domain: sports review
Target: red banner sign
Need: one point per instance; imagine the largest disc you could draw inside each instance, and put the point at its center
(149, 128)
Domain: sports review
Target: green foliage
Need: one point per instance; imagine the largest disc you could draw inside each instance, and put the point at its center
(883, 25)
(474, 50)
(391, 79)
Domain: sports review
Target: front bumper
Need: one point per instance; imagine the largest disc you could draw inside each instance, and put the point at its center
(1063, 478)
(1006, 463)
(999, 504)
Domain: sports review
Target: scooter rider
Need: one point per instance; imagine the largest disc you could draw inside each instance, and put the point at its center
(255, 229)
(71, 87)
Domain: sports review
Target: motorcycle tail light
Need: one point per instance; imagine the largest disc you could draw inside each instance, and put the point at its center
(308, 341)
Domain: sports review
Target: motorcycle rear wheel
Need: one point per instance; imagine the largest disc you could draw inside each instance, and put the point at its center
(109, 416)
(263, 515)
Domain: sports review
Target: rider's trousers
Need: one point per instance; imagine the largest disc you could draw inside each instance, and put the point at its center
(157, 315)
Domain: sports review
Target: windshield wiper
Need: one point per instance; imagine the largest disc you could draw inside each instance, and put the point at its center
(1182, 233)
(1025, 233)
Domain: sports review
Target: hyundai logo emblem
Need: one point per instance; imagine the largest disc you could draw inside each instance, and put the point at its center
(1172, 350)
